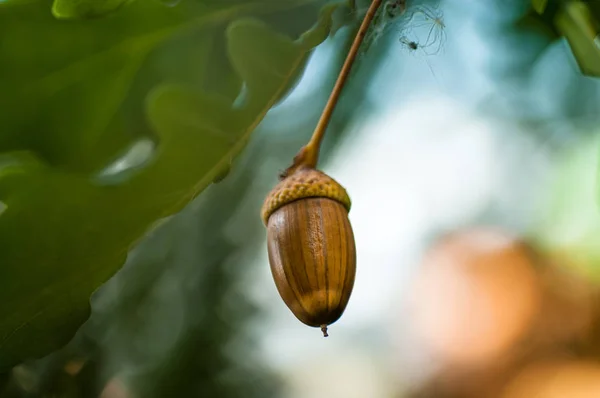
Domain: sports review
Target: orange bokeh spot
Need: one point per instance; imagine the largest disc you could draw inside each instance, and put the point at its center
(577, 379)
(476, 295)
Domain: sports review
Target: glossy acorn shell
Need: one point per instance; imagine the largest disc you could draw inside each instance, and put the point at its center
(311, 246)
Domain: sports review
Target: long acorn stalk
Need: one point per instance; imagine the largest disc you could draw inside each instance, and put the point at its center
(310, 242)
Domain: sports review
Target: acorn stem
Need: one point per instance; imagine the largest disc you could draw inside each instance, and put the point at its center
(308, 156)
(324, 330)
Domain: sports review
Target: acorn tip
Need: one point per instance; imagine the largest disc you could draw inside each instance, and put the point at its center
(324, 330)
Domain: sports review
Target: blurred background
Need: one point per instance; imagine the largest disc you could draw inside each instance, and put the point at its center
(472, 167)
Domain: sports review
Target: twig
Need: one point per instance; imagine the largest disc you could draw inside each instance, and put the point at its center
(308, 156)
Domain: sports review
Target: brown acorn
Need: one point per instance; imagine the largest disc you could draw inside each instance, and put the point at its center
(311, 246)
(309, 237)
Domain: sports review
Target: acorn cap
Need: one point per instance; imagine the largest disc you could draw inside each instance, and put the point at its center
(304, 183)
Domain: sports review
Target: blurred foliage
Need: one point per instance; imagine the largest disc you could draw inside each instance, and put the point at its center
(581, 26)
(138, 332)
(199, 346)
(80, 141)
(579, 22)
(85, 8)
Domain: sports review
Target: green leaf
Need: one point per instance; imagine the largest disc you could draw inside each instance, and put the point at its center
(344, 15)
(3, 381)
(539, 5)
(170, 3)
(582, 30)
(65, 95)
(268, 63)
(84, 174)
(71, 9)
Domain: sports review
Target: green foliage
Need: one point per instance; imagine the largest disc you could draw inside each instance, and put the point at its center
(69, 9)
(86, 168)
(539, 5)
(582, 30)
(3, 381)
(579, 22)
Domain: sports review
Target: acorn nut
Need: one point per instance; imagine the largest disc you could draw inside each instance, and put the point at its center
(311, 246)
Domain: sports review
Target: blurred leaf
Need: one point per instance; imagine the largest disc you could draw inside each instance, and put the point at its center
(69, 9)
(539, 5)
(3, 381)
(222, 174)
(538, 24)
(65, 231)
(582, 30)
(170, 3)
(344, 16)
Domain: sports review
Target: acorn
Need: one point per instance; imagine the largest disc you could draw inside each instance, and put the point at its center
(309, 237)
(311, 245)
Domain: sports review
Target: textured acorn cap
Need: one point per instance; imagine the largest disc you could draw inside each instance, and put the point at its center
(304, 183)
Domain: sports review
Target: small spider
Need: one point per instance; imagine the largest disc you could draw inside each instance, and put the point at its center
(412, 45)
(431, 18)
